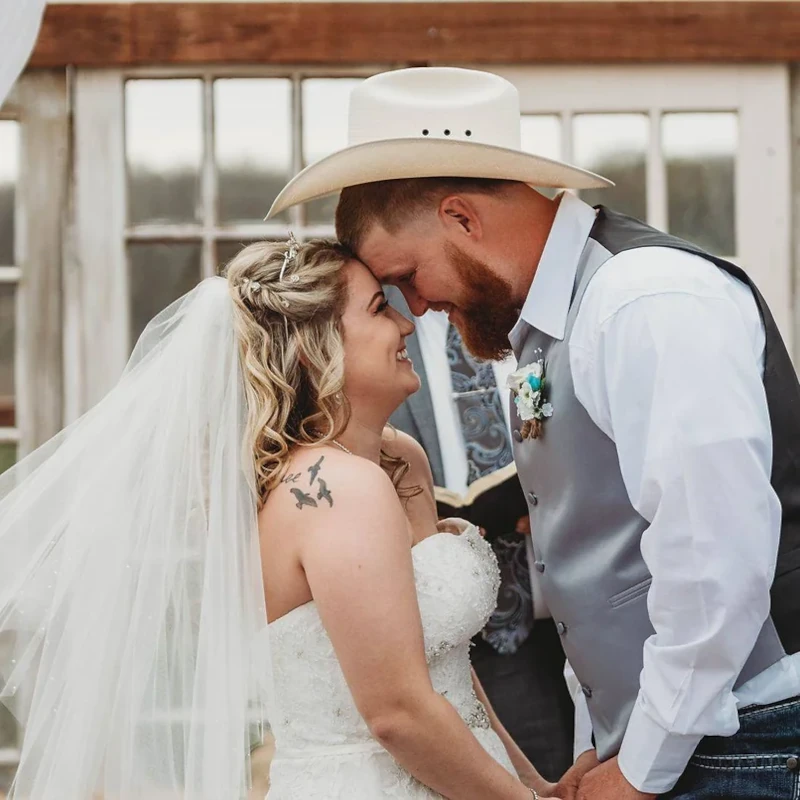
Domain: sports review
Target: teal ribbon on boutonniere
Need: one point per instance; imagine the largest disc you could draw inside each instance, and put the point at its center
(528, 385)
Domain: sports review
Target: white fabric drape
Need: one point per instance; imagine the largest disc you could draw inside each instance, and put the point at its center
(132, 617)
(19, 27)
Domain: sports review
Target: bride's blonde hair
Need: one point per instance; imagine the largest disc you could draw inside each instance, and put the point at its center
(288, 322)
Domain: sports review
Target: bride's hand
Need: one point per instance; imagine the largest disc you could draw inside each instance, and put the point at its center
(454, 525)
(545, 789)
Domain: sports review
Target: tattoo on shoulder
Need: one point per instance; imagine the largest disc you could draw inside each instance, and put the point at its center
(325, 492)
(321, 490)
(303, 499)
(314, 470)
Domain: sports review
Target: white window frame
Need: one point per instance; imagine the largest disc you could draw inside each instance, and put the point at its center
(97, 333)
(39, 103)
(97, 329)
(10, 274)
(758, 93)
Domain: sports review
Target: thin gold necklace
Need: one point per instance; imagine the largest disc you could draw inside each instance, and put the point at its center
(342, 447)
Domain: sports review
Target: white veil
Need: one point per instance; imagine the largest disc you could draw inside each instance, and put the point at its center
(132, 618)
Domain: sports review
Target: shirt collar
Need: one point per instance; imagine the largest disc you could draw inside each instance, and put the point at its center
(547, 304)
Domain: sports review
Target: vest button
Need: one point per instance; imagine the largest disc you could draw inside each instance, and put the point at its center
(587, 691)
(517, 436)
(533, 499)
(539, 566)
(792, 763)
(561, 628)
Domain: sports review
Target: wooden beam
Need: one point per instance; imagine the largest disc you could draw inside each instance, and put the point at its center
(548, 31)
(87, 34)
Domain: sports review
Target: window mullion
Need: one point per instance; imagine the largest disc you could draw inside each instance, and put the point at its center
(656, 175)
(209, 178)
(297, 213)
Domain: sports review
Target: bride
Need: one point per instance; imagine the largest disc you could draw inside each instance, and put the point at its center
(234, 534)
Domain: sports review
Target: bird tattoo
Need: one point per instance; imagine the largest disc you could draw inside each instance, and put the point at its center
(324, 492)
(314, 469)
(303, 499)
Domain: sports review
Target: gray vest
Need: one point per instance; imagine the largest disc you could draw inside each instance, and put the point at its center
(588, 534)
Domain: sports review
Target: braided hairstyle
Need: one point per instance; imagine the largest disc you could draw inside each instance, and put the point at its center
(290, 347)
(292, 352)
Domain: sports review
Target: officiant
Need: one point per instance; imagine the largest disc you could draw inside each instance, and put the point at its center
(460, 417)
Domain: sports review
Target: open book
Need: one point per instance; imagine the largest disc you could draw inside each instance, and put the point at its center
(494, 502)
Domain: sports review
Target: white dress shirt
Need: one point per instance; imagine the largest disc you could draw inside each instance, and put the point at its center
(667, 356)
(432, 337)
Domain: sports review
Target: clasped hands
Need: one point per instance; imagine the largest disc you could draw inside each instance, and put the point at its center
(588, 779)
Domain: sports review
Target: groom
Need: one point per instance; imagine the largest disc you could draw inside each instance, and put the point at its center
(656, 428)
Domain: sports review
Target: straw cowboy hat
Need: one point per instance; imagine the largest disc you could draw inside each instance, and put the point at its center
(432, 122)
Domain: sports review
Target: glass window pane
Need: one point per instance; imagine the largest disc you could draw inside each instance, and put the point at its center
(9, 168)
(8, 725)
(8, 295)
(541, 136)
(226, 251)
(8, 734)
(700, 157)
(253, 143)
(164, 146)
(325, 106)
(8, 457)
(615, 146)
(159, 274)
(6, 778)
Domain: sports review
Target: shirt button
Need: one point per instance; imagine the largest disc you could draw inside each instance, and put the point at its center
(587, 691)
(517, 436)
(792, 763)
(539, 566)
(561, 628)
(533, 499)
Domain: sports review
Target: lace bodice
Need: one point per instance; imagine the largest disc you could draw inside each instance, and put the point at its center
(315, 717)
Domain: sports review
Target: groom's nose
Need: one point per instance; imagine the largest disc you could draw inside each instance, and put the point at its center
(417, 305)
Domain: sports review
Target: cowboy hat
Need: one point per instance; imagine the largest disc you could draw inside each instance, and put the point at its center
(429, 122)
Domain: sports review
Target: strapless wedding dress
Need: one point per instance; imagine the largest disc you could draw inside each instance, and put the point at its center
(324, 750)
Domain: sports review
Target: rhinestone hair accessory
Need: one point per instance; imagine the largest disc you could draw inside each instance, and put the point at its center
(289, 257)
(253, 286)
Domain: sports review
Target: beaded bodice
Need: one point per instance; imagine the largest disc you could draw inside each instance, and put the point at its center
(457, 581)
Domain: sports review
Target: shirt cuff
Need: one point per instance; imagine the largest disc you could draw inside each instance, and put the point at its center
(651, 758)
(583, 728)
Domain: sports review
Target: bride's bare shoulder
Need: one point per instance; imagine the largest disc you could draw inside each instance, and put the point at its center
(324, 479)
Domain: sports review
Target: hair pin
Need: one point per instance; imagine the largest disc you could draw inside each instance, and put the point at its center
(253, 286)
(290, 255)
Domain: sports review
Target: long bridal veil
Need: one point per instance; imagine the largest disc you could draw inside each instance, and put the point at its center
(132, 620)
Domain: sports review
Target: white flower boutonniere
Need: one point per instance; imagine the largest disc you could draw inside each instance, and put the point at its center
(528, 386)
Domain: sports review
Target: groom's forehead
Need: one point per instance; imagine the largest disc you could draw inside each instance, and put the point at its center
(386, 256)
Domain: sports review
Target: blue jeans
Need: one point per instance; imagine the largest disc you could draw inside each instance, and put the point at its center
(760, 762)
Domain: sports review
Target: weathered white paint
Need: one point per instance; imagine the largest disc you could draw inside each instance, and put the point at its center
(41, 202)
(95, 272)
(763, 188)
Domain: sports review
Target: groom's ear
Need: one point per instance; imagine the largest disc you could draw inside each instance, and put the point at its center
(460, 217)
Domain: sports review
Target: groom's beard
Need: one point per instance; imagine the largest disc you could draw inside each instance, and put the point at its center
(486, 314)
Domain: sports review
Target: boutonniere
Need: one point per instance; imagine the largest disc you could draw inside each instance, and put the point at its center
(528, 386)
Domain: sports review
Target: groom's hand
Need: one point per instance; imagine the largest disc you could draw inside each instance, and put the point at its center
(567, 787)
(607, 782)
